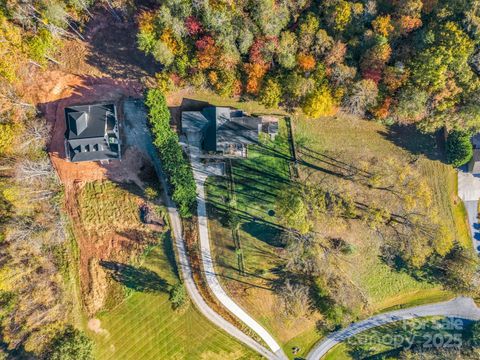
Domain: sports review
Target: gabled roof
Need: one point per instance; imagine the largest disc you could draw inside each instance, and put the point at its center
(91, 133)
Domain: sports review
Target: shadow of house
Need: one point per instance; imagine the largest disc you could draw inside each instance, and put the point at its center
(138, 279)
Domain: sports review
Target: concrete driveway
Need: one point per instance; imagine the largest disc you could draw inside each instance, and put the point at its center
(469, 192)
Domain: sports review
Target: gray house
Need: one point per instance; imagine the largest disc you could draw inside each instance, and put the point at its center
(221, 129)
(474, 164)
(92, 133)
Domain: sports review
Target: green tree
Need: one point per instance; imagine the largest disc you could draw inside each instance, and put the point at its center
(71, 344)
(293, 212)
(178, 296)
(459, 148)
(271, 93)
(287, 50)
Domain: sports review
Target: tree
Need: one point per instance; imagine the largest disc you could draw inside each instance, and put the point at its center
(271, 93)
(459, 148)
(71, 344)
(255, 73)
(362, 96)
(412, 105)
(306, 62)
(7, 137)
(178, 296)
(307, 30)
(162, 53)
(319, 103)
(287, 49)
(382, 25)
(293, 211)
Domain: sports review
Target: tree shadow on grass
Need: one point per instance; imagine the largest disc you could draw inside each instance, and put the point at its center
(167, 244)
(138, 279)
(412, 140)
(264, 232)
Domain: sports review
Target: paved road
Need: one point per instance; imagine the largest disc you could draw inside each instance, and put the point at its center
(461, 307)
(469, 192)
(200, 175)
(139, 136)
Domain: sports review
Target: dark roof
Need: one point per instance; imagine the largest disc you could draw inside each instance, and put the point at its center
(217, 124)
(91, 134)
(236, 133)
(210, 139)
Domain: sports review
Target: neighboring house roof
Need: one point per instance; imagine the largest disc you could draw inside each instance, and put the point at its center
(474, 164)
(92, 133)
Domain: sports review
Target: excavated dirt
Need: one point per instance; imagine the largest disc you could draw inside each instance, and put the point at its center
(93, 75)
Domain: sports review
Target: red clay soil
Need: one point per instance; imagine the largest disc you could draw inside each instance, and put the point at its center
(110, 68)
(57, 91)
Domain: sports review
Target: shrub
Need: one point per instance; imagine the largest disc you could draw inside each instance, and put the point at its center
(176, 167)
(71, 344)
(178, 296)
(459, 148)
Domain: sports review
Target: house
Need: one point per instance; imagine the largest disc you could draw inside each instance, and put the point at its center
(474, 164)
(222, 129)
(92, 133)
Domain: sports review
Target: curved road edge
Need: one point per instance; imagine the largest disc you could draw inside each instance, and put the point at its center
(200, 175)
(185, 270)
(461, 307)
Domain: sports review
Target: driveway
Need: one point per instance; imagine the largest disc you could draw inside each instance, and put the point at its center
(462, 307)
(139, 135)
(200, 174)
(469, 192)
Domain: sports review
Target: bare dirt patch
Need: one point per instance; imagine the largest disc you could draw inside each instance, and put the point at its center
(95, 325)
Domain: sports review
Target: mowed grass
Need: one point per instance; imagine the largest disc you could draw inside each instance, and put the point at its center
(144, 326)
(353, 139)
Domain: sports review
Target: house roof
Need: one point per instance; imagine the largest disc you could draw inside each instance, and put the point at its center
(91, 133)
(232, 132)
(217, 125)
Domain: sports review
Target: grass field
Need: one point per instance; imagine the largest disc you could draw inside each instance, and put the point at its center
(144, 326)
(257, 182)
(105, 205)
(353, 139)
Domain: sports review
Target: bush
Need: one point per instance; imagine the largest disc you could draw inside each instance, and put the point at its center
(176, 167)
(71, 344)
(178, 296)
(459, 148)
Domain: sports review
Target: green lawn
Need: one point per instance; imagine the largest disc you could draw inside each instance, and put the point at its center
(144, 326)
(257, 182)
(353, 140)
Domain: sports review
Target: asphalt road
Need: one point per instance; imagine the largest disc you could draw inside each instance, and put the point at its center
(139, 136)
(462, 307)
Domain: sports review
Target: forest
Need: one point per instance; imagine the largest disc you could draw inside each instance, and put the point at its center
(405, 62)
